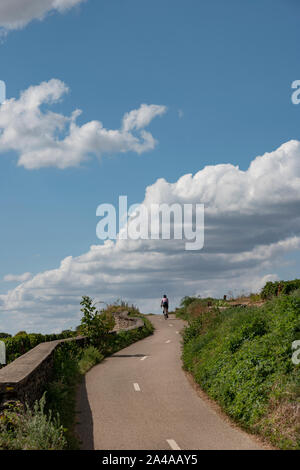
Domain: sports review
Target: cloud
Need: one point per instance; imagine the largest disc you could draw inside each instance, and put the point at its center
(16, 14)
(251, 221)
(43, 138)
(140, 118)
(17, 277)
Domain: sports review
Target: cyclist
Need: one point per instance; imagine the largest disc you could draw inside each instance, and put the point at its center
(165, 306)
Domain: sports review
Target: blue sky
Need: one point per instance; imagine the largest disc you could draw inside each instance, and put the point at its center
(223, 70)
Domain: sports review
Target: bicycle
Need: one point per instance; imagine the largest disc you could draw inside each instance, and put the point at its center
(165, 310)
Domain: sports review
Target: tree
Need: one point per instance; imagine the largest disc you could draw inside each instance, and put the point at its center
(95, 325)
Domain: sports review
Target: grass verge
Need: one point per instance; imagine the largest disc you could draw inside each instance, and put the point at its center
(242, 358)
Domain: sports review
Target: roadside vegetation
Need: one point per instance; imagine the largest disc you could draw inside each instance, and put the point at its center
(241, 356)
(50, 424)
(280, 287)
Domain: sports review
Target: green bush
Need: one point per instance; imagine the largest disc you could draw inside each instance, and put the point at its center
(243, 360)
(4, 335)
(61, 391)
(272, 289)
(192, 307)
(90, 357)
(22, 428)
(94, 324)
(193, 330)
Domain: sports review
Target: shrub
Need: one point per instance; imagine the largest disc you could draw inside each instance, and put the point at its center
(4, 335)
(24, 429)
(95, 325)
(272, 289)
(90, 357)
(194, 329)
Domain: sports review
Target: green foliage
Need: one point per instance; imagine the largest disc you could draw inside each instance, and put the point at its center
(61, 391)
(4, 335)
(255, 297)
(186, 301)
(242, 359)
(22, 428)
(296, 293)
(272, 289)
(90, 357)
(94, 324)
(193, 330)
(192, 307)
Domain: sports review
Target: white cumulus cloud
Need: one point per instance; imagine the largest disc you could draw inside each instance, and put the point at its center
(17, 277)
(252, 220)
(15, 14)
(43, 138)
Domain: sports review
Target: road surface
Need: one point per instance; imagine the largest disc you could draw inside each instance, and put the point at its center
(140, 398)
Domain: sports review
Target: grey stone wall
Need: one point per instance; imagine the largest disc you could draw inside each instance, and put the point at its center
(124, 322)
(25, 378)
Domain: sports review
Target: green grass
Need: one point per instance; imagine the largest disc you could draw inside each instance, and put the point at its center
(241, 357)
(90, 357)
(70, 365)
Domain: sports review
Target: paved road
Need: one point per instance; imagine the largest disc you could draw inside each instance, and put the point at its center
(140, 398)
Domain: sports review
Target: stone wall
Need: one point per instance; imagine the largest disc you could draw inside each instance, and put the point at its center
(124, 322)
(25, 378)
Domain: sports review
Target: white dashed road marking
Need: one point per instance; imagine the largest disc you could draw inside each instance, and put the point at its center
(143, 358)
(137, 387)
(173, 444)
(169, 341)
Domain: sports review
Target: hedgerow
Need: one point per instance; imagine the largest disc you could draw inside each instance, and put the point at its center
(242, 358)
(272, 289)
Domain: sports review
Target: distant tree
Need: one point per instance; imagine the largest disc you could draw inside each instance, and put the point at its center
(5, 335)
(67, 333)
(21, 333)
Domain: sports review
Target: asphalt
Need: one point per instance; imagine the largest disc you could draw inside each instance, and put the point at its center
(129, 402)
